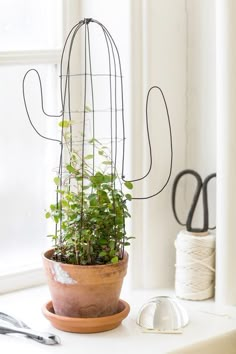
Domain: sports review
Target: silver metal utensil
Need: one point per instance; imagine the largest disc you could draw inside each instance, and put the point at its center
(9, 324)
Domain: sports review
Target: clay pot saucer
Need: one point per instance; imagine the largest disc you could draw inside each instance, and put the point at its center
(86, 325)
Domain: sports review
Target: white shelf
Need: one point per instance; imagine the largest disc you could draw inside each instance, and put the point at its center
(207, 320)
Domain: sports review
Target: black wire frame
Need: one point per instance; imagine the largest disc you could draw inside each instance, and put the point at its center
(115, 76)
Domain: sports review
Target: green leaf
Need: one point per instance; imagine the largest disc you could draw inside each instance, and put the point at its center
(71, 169)
(97, 179)
(56, 219)
(87, 109)
(91, 196)
(64, 203)
(93, 202)
(86, 187)
(112, 253)
(102, 254)
(128, 196)
(54, 237)
(65, 123)
(108, 178)
(115, 259)
(112, 245)
(106, 162)
(128, 185)
(57, 180)
(61, 191)
(89, 157)
(102, 194)
(103, 241)
(47, 215)
(93, 140)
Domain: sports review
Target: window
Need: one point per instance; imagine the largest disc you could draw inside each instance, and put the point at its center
(31, 37)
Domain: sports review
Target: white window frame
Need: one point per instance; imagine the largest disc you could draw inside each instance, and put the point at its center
(32, 275)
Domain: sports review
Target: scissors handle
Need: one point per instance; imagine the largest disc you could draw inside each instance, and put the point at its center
(201, 186)
(205, 202)
(195, 197)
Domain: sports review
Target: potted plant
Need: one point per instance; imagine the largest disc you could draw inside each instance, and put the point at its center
(87, 264)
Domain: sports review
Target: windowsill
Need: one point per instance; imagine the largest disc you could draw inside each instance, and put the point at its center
(207, 320)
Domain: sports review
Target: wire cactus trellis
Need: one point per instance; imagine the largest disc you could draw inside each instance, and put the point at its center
(93, 116)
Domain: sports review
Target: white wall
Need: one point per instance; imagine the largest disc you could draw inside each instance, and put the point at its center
(201, 86)
(159, 47)
(226, 149)
(201, 98)
(176, 44)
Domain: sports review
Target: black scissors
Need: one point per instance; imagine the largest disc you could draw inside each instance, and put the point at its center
(201, 186)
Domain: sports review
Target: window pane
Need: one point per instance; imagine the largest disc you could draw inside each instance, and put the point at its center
(27, 163)
(30, 24)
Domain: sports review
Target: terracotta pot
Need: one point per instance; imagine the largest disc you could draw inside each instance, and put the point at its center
(84, 290)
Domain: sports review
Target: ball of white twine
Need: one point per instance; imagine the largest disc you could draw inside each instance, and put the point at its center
(195, 266)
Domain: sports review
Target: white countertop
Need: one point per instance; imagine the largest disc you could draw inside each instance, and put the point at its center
(206, 320)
